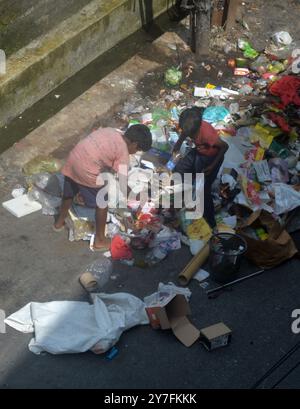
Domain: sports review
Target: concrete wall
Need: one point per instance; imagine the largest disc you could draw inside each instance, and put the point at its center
(21, 21)
(40, 67)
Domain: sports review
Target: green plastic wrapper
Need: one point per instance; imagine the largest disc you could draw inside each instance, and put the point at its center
(249, 51)
(173, 76)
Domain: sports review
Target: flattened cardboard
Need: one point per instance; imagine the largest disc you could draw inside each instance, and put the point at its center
(184, 331)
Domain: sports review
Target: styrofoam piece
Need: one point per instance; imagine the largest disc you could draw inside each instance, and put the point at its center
(22, 206)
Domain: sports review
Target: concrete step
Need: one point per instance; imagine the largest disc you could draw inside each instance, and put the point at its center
(95, 107)
(22, 21)
(45, 63)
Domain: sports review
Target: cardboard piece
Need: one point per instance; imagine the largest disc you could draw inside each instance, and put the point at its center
(279, 246)
(169, 311)
(215, 336)
(22, 206)
(193, 266)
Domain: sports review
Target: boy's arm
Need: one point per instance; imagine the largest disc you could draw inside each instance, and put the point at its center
(223, 148)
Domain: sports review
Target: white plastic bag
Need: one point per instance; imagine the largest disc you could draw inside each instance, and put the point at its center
(173, 289)
(282, 38)
(286, 198)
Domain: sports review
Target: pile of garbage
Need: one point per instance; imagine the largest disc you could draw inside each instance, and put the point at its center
(256, 194)
(258, 117)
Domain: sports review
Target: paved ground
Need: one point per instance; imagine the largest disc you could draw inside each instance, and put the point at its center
(37, 264)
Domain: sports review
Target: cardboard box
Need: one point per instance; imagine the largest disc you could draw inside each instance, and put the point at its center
(169, 311)
(215, 336)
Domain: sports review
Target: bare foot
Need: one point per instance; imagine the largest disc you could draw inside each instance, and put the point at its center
(101, 244)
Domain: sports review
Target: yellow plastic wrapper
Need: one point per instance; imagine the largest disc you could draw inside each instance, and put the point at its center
(264, 135)
(199, 230)
(260, 153)
(81, 227)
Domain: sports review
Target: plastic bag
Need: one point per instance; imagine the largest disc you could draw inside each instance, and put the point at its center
(249, 51)
(111, 230)
(160, 117)
(216, 114)
(196, 246)
(51, 184)
(279, 170)
(286, 198)
(42, 164)
(50, 203)
(81, 228)
(174, 289)
(156, 255)
(282, 38)
(261, 64)
(173, 77)
(199, 230)
(159, 140)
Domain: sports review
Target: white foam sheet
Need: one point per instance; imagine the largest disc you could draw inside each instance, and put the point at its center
(62, 327)
(22, 206)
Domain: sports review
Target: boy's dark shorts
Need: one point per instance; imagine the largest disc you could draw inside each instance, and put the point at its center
(88, 194)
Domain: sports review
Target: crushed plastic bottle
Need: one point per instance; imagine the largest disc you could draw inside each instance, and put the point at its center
(171, 165)
(101, 270)
(156, 255)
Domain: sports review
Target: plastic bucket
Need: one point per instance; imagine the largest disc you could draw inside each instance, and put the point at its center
(226, 252)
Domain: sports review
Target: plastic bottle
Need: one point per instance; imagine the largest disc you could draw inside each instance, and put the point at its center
(156, 255)
(171, 165)
(112, 353)
(101, 270)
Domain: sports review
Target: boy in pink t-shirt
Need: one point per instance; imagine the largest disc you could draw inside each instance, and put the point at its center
(104, 150)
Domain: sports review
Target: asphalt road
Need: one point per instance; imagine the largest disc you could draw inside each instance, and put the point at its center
(37, 264)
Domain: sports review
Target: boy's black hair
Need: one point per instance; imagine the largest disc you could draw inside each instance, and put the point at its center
(190, 121)
(141, 135)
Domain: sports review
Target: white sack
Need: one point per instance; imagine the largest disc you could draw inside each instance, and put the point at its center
(72, 327)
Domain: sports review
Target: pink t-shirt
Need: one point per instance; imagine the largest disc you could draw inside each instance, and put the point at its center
(103, 150)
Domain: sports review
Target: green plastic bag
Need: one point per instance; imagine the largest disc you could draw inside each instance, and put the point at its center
(173, 76)
(249, 51)
(42, 164)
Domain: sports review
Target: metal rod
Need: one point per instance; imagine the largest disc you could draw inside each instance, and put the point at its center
(286, 375)
(277, 365)
(213, 290)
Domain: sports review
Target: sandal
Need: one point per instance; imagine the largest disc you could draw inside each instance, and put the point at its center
(100, 249)
(57, 230)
